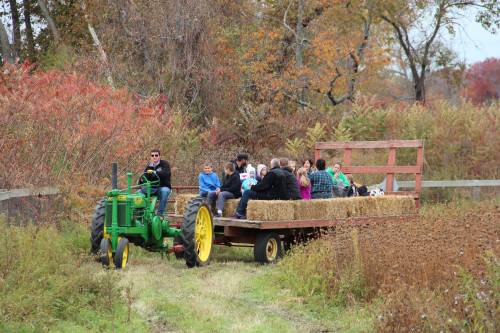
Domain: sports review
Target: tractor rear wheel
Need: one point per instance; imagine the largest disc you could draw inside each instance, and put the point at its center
(97, 226)
(121, 253)
(197, 233)
(106, 254)
(267, 248)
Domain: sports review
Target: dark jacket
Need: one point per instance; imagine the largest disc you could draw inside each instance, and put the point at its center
(163, 172)
(292, 187)
(272, 186)
(237, 170)
(232, 184)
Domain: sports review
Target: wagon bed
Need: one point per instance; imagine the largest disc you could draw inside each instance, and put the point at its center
(270, 238)
(176, 220)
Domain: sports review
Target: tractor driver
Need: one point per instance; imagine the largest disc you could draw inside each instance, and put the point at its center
(162, 170)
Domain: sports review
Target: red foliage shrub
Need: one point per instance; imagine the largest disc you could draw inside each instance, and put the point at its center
(483, 81)
(58, 126)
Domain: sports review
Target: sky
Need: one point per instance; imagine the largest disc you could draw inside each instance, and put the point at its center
(472, 42)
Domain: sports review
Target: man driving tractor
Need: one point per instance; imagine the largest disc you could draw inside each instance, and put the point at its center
(161, 169)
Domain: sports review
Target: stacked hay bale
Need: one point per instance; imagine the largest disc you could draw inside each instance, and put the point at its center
(181, 200)
(395, 205)
(230, 207)
(319, 209)
(326, 209)
(270, 210)
(311, 209)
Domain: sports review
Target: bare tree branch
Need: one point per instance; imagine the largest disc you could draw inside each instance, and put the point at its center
(285, 20)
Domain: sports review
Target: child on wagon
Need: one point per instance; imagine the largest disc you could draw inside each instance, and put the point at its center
(208, 181)
(230, 189)
(250, 181)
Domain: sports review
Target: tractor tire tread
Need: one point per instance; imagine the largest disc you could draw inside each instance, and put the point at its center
(188, 229)
(97, 226)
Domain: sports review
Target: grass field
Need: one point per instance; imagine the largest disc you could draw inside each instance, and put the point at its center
(48, 282)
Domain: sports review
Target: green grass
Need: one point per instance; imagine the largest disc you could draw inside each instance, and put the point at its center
(232, 294)
(48, 282)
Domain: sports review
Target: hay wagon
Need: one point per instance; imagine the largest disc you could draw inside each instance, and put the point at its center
(274, 226)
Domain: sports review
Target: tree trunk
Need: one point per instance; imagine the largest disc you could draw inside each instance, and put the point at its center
(4, 41)
(50, 21)
(104, 57)
(16, 29)
(30, 40)
(419, 85)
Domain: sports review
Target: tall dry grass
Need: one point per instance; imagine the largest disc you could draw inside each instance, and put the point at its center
(438, 271)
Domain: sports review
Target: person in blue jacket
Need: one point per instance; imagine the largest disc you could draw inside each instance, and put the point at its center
(208, 181)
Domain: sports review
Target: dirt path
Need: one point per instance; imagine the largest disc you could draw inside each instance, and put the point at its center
(229, 296)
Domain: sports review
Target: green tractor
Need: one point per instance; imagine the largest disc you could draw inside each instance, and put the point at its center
(128, 216)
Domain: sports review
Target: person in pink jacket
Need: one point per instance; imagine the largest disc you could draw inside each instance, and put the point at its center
(304, 184)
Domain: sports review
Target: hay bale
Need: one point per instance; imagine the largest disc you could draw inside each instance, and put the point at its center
(395, 205)
(338, 208)
(181, 200)
(310, 209)
(230, 207)
(364, 206)
(326, 209)
(270, 210)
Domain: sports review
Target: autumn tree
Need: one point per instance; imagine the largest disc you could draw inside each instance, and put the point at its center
(483, 81)
(342, 51)
(416, 25)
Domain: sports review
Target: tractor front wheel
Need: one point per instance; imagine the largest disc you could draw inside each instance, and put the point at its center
(197, 233)
(106, 254)
(121, 253)
(267, 248)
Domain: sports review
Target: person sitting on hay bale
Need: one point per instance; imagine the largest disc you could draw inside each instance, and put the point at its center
(272, 187)
(354, 189)
(308, 165)
(292, 187)
(249, 181)
(304, 184)
(340, 181)
(321, 182)
(261, 172)
(240, 165)
(208, 181)
(230, 189)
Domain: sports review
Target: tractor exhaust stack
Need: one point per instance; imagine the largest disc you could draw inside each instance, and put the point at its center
(114, 175)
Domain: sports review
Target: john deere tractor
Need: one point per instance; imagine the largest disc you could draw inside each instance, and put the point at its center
(128, 216)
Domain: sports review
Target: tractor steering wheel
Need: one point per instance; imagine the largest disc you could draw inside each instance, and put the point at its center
(146, 178)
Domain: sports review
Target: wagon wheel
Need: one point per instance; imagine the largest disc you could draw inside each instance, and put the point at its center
(267, 248)
(197, 233)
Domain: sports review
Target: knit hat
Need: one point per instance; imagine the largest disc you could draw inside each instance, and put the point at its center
(260, 167)
(250, 169)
